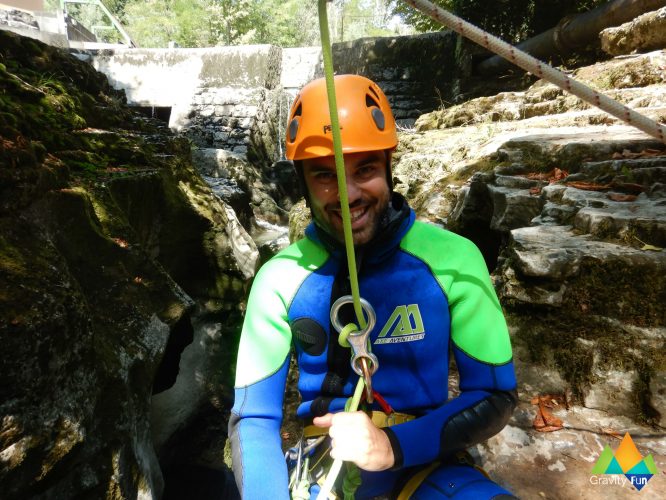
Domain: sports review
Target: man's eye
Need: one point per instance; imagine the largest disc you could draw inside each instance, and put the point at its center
(366, 171)
(324, 176)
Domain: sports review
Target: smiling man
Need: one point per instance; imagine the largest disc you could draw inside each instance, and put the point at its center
(432, 296)
(367, 190)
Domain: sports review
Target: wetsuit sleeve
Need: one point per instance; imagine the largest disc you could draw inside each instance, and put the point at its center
(261, 372)
(254, 430)
(482, 350)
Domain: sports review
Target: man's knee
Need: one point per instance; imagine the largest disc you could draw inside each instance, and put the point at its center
(459, 482)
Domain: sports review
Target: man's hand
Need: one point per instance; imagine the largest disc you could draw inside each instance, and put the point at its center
(354, 438)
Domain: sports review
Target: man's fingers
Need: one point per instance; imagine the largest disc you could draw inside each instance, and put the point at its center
(323, 421)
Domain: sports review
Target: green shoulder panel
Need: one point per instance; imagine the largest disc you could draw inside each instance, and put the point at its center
(478, 326)
(266, 336)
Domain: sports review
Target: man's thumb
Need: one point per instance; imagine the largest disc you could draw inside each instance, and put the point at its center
(323, 421)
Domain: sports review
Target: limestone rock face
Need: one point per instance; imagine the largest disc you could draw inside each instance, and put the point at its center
(250, 190)
(646, 32)
(569, 209)
(108, 239)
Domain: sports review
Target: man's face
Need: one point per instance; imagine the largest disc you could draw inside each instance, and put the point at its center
(367, 190)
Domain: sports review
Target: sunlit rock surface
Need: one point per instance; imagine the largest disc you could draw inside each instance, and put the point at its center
(646, 32)
(569, 208)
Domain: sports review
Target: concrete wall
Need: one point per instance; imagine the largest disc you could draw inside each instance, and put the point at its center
(299, 66)
(237, 98)
(165, 77)
(217, 95)
(24, 4)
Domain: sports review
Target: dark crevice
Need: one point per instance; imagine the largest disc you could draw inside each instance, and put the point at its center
(474, 223)
(162, 113)
(181, 336)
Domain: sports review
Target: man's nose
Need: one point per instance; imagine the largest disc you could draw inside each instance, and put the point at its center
(353, 189)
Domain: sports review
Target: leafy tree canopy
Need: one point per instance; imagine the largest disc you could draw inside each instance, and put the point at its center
(293, 23)
(512, 20)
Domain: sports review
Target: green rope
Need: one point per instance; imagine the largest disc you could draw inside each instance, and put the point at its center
(353, 478)
(327, 55)
(344, 334)
(351, 482)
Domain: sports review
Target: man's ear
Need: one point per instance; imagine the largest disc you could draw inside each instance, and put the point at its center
(389, 170)
(302, 186)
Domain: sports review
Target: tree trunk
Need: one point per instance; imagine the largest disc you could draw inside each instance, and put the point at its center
(574, 31)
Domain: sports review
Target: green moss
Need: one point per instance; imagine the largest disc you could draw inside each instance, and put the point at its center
(642, 395)
(609, 288)
(553, 341)
(573, 342)
(482, 165)
(11, 259)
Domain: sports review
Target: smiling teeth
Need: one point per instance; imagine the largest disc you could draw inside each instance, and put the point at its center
(357, 214)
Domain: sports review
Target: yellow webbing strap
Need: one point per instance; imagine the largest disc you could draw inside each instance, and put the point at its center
(415, 481)
(379, 418)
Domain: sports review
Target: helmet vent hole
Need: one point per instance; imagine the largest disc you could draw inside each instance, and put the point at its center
(378, 117)
(299, 110)
(370, 101)
(374, 92)
(293, 129)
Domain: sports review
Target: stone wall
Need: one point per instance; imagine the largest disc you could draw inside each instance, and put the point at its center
(217, 95)
(417, 73)
(109, 240)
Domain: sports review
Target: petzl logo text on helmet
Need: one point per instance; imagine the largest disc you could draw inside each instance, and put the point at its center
(328, 128)
(626, 464)
(404, 325)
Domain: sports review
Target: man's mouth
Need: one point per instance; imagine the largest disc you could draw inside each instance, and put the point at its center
(357, 215)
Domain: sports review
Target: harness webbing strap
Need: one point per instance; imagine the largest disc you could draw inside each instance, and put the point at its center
(415, 481)
(379, 418)
(541, 69)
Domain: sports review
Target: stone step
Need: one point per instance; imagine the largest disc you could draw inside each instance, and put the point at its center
(638, 82)
(576, 322)
(644, 171)
(563, 460)
(640, 221)
(546, 252)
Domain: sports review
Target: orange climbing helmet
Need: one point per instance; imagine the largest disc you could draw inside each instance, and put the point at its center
(366, 121)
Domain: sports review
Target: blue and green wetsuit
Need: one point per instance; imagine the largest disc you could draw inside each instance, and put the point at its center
(432, 295)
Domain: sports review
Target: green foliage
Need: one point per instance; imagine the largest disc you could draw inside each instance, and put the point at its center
(204, 23)
(201, 23)
(352, 19)
(511, 20)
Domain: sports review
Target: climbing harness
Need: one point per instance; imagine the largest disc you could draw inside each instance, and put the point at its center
(541, 69)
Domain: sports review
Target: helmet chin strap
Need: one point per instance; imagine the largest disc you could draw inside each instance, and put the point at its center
(389, 172)
(300, 175)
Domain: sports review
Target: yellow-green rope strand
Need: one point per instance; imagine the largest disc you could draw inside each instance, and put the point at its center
(351, 405)
(339, 161)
